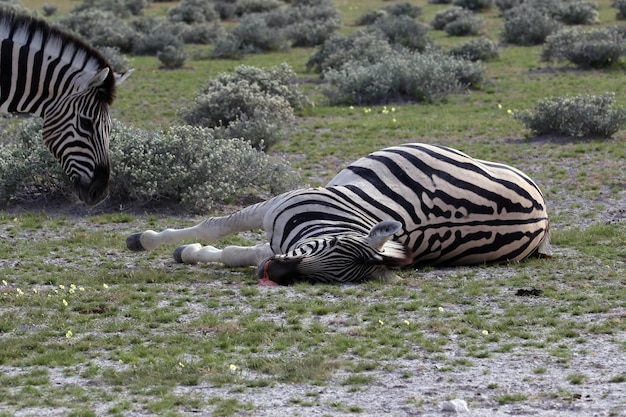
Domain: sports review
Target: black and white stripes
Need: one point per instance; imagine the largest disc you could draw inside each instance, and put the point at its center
(55, 75)
(407, 205)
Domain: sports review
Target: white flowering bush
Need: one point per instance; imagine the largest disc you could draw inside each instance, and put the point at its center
(194, 166)
(27, 169)
(464, 26)
(101, 28)
(400, 76)
(582, 115)
(252, 103)
(596, 48)
(190, 165)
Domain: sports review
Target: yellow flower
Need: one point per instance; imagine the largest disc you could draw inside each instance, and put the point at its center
(20, 292)
(105, 286)
(73, 286)
(382, 323)
(182, 365)
(485, 332)
(4, 281)
(35, 290)
(72, 290)
(62, 286)
(81, 288)
(233, 367)
(65, 303)
(440, 309)
(499, 105)
(509, 111)
(69, 334)
(407, 322)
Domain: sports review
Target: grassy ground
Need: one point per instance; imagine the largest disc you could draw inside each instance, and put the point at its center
(89, 329)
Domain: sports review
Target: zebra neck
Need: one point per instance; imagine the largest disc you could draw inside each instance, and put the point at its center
(40, 66)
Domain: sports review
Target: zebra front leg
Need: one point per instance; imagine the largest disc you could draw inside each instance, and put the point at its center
(229, 256)
(209, 230)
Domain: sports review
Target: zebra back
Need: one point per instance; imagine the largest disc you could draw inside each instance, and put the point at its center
(453, 209)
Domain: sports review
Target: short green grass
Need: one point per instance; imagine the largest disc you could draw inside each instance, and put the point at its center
(137, 332)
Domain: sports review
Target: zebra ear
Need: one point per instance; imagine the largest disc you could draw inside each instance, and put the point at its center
(382, 232)
(98, 79)
(120, 78)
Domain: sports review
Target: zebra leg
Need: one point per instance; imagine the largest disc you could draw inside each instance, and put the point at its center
(209, 230)
(229, 256)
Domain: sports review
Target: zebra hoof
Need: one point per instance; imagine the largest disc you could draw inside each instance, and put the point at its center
(133, 242)
(178, 254)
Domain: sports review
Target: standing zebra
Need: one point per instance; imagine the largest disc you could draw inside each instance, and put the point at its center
(407, 205)
(56, 76)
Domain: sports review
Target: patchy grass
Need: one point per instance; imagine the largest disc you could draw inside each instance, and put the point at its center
(88, 328)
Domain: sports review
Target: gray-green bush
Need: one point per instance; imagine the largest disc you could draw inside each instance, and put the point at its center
(192, 12)
(172, 57)
(478, 49)
(364, 45)
(474, 4)
(252, 103)
(101, 28)
(196, 167)
(596, 48)
(581, 115)
(192, 166)
(404, 31)
(442, 18)
(620, 5)
(527, 25)
(402, 76)
(464, 26)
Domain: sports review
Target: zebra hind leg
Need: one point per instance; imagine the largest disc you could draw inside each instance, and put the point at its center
(230, 256)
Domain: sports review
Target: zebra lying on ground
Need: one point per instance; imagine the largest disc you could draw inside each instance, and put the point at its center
(58, 77)
(403, 206)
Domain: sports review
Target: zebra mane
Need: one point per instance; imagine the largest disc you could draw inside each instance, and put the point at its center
(68, 47)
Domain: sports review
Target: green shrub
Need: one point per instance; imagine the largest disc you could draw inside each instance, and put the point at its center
(596, 48)
(192, 12)
(256, 6)
(527, 25)
(620, 5)
(582, 115)
(172, 57)
(101, 28)
(253, 34)
(310, 24)
(404, 31)
(399, 76)
(363, 45)
(120, 8)
(252, 103)
(448, 15)
(505, 5)
(189, 165)
(479, 49)
(464, 26)
(162, 35)
(474, 4)
(27, 169)
(577, 12)
(118, 61)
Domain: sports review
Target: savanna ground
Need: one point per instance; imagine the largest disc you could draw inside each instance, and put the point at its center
(89, 329)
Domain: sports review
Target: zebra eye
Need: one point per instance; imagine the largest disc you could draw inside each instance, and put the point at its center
(85, 123)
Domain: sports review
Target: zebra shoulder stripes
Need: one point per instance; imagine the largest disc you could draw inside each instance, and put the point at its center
(403, 206)
(56, 76)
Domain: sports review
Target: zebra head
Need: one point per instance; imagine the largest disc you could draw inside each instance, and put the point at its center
(339, 258)
(76, 131)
